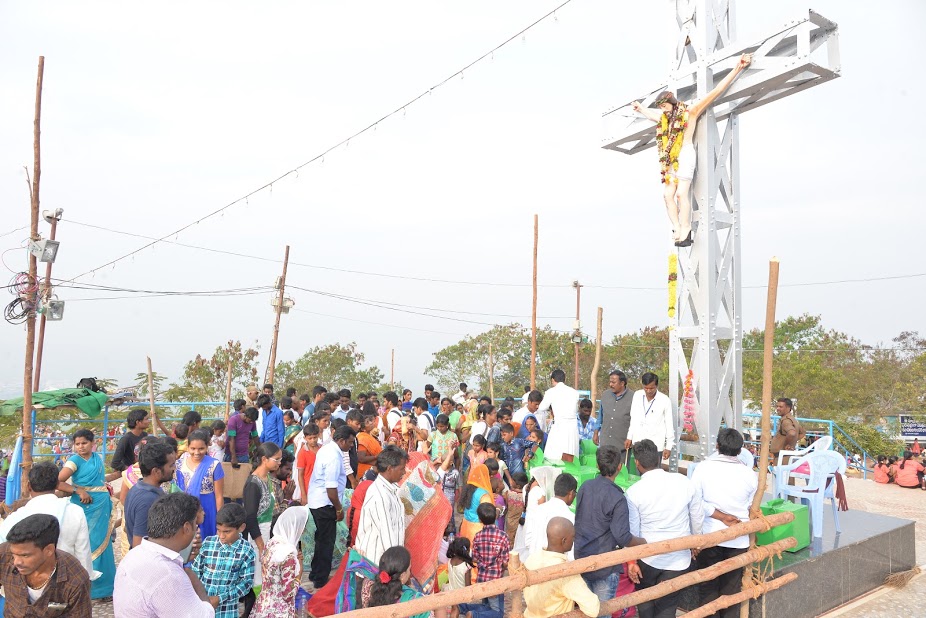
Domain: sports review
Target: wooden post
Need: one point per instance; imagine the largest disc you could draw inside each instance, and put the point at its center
(517, 600)
(46, 287)
(150, 389)
(741, 597)
(527, 577)
(276, 324)
(692, 578)
(491, 374)
(597, 365)
(33, 278)
(768, 356)
(228, 385)
(534, 312)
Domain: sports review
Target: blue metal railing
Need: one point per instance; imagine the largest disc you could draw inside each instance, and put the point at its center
(832, 430)
(104, 438)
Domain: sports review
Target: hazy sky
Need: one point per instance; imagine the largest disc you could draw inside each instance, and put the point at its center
(154, 115)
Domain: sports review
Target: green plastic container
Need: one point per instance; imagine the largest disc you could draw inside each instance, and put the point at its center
(587, 453)
(624, 479)
(799, 528)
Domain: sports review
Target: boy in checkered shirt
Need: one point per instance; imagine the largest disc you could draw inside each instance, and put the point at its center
(225, 563)
(490, 552)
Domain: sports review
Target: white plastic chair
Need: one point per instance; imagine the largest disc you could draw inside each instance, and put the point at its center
(821, 444)
(821, 484)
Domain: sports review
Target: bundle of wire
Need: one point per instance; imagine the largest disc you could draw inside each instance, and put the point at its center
(24, 287)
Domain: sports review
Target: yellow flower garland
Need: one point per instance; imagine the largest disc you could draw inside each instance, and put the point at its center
(673, 283)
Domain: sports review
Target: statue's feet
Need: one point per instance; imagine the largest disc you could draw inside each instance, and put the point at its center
(675, 236)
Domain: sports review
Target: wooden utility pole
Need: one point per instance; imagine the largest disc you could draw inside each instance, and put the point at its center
(276, 324)
(392, 370)
(491, 374)
(597, 365)
(577, 336)
(53, 219)
(534, 313)
(228, 385)
(150, 389)
(768, 356)
(33, 278)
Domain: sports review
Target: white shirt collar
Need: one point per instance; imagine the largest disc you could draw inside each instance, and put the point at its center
(164, 551)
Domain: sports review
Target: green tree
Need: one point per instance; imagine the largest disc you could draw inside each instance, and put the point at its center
(333, 366)
(141, 383)
(205, 379)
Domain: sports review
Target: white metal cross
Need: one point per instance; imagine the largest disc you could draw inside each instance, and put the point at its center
(707, 334)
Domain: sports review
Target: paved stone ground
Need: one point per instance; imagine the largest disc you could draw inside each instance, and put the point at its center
(863, 495)
(905, 504)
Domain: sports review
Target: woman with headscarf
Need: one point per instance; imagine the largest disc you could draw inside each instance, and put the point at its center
(281, 566)
(478, 490)
(538, 491)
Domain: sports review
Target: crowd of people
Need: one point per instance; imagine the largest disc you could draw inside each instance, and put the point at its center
(367, 501)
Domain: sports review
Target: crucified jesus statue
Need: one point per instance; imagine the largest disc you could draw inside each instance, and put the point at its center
(676, 123)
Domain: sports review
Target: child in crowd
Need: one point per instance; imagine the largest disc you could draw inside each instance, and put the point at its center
(391, 583)
(515, 500)
(171, 485)
(882, 470)
(181, 431)
(477, 454)
(890, 467)
(459, 569)
(217, 442)
(442, 440)
(290, 431)
(305, 460)
(501, 505)
(447, 475)
(538, 438)
(490, 553)
(494, 451)
(323, 421)
(514, 450)
(225, 563)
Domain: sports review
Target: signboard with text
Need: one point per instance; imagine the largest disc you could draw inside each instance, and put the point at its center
(913, 427)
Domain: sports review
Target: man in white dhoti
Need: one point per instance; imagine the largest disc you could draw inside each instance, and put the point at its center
(563, 435)
(651, 416)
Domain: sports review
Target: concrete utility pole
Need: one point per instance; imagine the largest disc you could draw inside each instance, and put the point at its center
(703, 49)
(280, 309)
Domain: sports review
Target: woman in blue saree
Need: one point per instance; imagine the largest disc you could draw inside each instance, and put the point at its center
(202, 476)
(88, 491)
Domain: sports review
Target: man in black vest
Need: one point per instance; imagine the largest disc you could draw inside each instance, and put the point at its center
(615, 410)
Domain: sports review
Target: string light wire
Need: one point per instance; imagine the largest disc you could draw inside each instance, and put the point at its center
(344, 142)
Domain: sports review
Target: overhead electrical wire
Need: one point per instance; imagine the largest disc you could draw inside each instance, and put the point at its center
(320, 156)
(476, 283)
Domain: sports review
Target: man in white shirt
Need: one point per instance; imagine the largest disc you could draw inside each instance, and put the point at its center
(531, 404)
(460, 397)
(563, 435)
(662, 506)
(172, 526)
(382, 516)
(727, 486)
(325, 500)
(74, 536)
(394, 416)
(420, 410)
(539, 516)
(651, 417)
